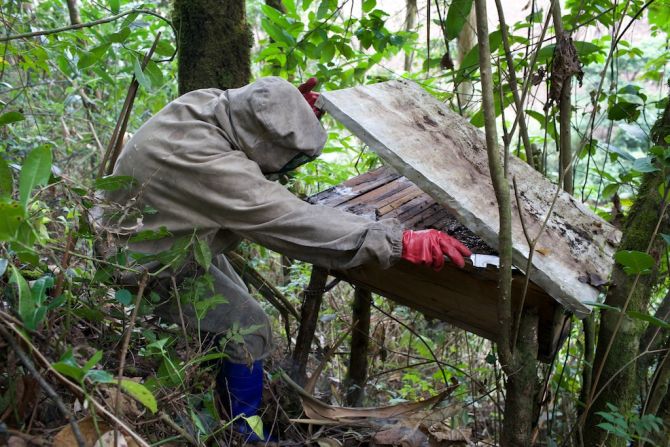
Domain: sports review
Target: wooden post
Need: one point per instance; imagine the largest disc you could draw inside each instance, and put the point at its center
(357, 373)
(309, 314)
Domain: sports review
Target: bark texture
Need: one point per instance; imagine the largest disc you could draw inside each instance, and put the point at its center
(521, 402)
(309, 315)
(360, 334)
(214, 44)
(615, 375)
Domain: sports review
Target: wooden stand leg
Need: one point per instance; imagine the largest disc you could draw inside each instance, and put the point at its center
(360, 335)
(309, 314)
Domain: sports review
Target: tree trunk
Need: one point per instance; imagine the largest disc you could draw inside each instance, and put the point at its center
(521, 402)
(619, 335)
(309, 315)
(360, 335)
(410, 25)
(214, 44)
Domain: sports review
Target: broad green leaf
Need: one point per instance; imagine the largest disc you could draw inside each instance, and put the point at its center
(72, 371)
(118, 37)
(26, 306)
(150, 235)
(470, 62)
(11, 117)
(649, 319)
(634, 262)
(68, 365)
(140, 76)
(644, 164)
(155, 74)
(6, 187)
(624, 110)
(140, 393)
(100, 376)
(124, 297)
(95, 358)
(12, 215)
(458, 13)
(88, 58)
(368, 5)
(256, 425)
(115, 5)
(584, 49)
(114, 182)
(35, 171)
(202, 253)
(164, 48)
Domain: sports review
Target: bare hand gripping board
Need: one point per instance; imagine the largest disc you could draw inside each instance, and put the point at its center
(446, 157)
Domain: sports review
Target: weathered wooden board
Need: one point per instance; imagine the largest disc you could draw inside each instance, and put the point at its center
(445, 156)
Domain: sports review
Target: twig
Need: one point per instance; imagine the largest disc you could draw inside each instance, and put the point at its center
(165, 418)
(87, 25)
(45, 386)
(124, 347)
(116, 140)
(175, 290)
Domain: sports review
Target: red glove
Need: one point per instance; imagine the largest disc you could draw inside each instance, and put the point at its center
(428, 247)
(310, 96)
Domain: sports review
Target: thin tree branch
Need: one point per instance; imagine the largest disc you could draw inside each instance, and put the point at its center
(75, 26)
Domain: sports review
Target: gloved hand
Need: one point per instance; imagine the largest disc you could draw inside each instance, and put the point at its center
(310, 96)
(428, 247)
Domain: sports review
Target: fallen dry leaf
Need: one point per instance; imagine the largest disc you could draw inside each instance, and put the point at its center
(91, 434)
(15, 441)
(107, 440)
(399, 436)
(315, 409)
(328, 442)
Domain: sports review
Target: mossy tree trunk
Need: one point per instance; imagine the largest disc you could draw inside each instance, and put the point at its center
(214, 44)
(614, 379)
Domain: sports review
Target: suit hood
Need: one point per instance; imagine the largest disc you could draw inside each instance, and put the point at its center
(272, 123)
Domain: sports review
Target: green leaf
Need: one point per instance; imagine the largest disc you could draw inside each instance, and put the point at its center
(634, 262)
(666, 238)
(11, 117)
(95, 358)
(6, 186)
(151, 235)
(88, 58)
(124, 297)
(649, 319)
(26, 306)
(119, 36)
(139, 75)
(140, 393)
(369, 5)
(155, 74)
(644, 164)
(623, 110)
(35, 171)
(114, 6)
(100, 376)
(202, 253)
(256, 425)
(3, 266)
(458, 13)
(114, 182)
(470, 62)
(68, 366)
(164, 48)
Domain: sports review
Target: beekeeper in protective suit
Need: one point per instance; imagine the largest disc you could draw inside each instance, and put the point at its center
(201, 166)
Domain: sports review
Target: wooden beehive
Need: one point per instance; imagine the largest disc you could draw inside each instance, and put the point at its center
(443, 182)
(464, 297)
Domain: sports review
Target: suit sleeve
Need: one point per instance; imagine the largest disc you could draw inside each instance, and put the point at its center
(235, 194)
